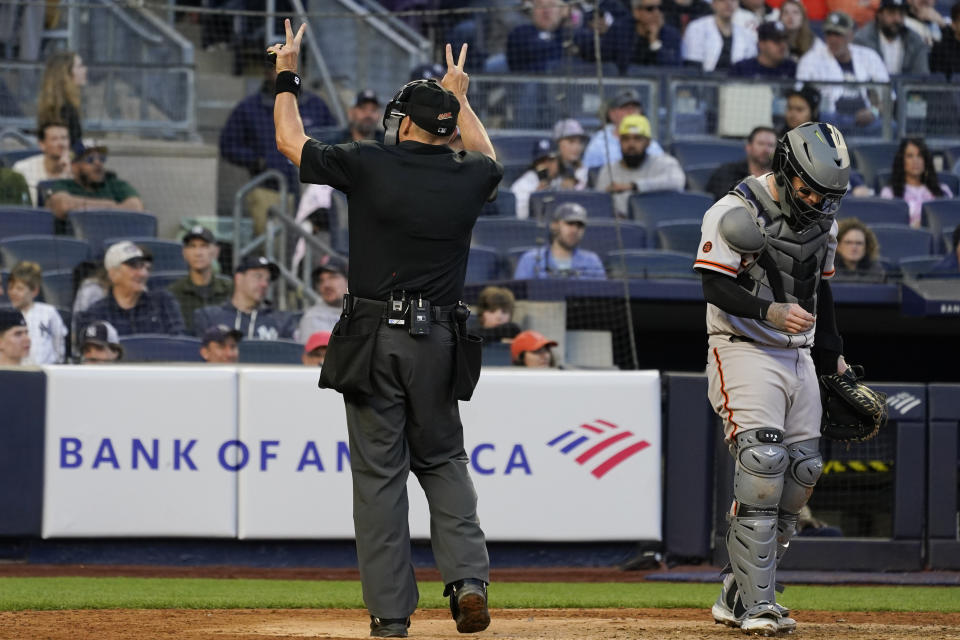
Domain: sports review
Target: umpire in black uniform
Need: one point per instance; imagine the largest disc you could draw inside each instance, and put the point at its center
(399, 353)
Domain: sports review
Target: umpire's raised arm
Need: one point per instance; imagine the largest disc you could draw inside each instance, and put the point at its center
(286, 115)
(456, 81)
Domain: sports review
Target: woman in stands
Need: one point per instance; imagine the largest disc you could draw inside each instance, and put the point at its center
(64, 77)
(857, 253)
(800, 37)
(914, 179)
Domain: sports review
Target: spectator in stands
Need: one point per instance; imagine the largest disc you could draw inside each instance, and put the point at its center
(14, 338)
(638, 171)
(562, 258)
(857, 252)
(248, 310)
(606, 140)
(679, 13)
(950, 262)
(100, 344)
(914, 179)
(860, 11)
(364, 119)
(315, 350)
(571, 140)
(533, 46)
(248, 140)
(92, 186)
(800, 37)
(923, 18)
(645, 39)
(753, 13)
(53, 163)
(200, 287)
(13, 188)
(494, 321)
(541, 176)
(427, 71)
(760, 146)
(329, 280)
(815, 9)
(129, 307)
(46, 327)
(219, 344)
(902, 50)
(94, 286)
(803, 105)
(842, 61)
(533, 350)
(716, 43)
(945, 56)
(771, 60)
(64, 77)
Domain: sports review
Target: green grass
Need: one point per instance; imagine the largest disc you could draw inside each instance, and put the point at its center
(178, 593)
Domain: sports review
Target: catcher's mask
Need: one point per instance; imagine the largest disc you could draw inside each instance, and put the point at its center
(430, 106)
(816, 153)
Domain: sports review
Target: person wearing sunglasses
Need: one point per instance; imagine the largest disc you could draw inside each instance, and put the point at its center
(92, 186)
(766, 251)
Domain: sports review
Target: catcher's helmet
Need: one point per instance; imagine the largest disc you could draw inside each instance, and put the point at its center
(817, 153)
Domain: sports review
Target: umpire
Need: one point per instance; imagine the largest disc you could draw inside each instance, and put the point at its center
(400, 354)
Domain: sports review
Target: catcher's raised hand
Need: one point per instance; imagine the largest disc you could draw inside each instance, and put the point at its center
(456, 80)
(287, 53)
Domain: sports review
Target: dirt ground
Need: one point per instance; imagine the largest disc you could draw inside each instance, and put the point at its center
(508, 624)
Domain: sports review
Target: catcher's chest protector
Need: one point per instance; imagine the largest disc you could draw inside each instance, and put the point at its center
(789, 268)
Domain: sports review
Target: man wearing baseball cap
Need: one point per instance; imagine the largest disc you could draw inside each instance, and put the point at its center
(544, 168)
(638, 171)
(129, 306)
(533, 349)
(772, 60)
(843, 61)
(14, 338)
(902, 49)
(248, 310)
(315, 350)
(219, 345)
(605, 144)
(201, 287)
(100, 344)
(363, 118)
(562, 258)
(92, 186)
(330, 283)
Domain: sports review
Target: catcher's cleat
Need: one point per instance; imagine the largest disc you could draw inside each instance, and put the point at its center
(787, 624)
(389, 627)
(761, 620)
(468, 604)
(729, 609)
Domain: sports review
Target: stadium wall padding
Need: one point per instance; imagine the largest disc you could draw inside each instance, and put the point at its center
(22, 419)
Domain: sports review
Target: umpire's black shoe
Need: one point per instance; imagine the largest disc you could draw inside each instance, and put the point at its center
(389, 627)
(468, 604)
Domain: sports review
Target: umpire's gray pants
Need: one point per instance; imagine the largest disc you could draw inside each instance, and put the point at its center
(411, 424)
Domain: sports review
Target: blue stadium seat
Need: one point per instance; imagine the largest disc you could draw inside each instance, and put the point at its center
(505, 206)
(50, 252)
(650, 263)
(947, 237)
(167, 254)
(698, 177)
(11, 156)
(95, 226)
(660, 206)
(873, 157)
(601, 236)
(941, 215)
(952, 181)
(502, 233)
(496, 354)
(25, 221)
(4, 300)
(58, 288)
(951, 156)
(483, 264)
(150, 347)
(511, 172)
(900, 241)
(679, 235)
(598, 204)
(514, 149)
(871, 211)
(270, 351)
(917, 265)
(512, 256)
(163, 279)
(702, 153)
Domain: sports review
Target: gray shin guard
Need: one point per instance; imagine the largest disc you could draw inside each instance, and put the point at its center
(805, 468)
(752, 538)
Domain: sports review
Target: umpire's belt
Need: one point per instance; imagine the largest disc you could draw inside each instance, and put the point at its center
(367, 307)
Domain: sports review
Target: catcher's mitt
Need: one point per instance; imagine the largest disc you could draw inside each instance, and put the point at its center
(852, 411)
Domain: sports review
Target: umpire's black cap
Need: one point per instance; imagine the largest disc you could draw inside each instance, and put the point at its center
(435, 109)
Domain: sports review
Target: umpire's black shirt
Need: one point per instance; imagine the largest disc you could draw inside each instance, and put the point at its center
(412, 210)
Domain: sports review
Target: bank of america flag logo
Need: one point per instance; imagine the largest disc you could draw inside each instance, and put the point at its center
(598, 446)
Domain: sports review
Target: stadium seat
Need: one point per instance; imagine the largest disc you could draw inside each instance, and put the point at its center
(95, 226)
(702, 153)
(270, 351)
(941, 215)
(58, 288)
(660, 206)
(950, 180)
(512, 256)
(650, 263)
(505, 206)
(514, 149)
(947, 238)
(11, 156)
(163, 279)
(482, 265)
(167, 255)
(502, 234)
(496, 354)
(899, 241)
(52, 253)
(597, 203)
(511, 172)
(678, 235)
(871, 158)
(872, 211)
(24, 221)
(914, 266)
(602, 236)
(4, 300)
(698, 177)
(151, 347)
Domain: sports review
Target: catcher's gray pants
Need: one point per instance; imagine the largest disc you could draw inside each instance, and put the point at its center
(413, 424)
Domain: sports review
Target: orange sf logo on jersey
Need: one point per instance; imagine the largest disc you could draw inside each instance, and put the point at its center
(707, 246)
